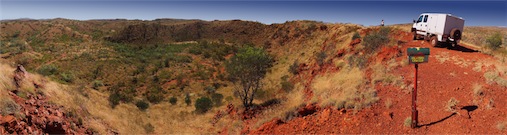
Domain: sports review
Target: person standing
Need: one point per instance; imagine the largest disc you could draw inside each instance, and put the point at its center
(382, 22)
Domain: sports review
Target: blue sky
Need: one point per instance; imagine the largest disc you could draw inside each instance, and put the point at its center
(369, 12)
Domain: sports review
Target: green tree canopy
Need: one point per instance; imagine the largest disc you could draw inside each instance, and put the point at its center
(246, 69)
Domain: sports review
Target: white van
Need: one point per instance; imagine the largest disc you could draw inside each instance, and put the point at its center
(438, 27)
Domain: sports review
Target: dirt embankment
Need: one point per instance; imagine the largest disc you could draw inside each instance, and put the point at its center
(452, 72)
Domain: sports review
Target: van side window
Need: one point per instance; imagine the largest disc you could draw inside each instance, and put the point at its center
(420, 18)
(426, 18)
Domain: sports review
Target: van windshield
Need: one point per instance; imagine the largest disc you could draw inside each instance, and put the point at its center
(420, 18)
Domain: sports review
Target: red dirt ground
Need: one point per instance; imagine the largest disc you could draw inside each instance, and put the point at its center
(437, 83)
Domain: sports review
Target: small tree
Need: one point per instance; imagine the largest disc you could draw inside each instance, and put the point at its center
(246, 69)
(203, 104)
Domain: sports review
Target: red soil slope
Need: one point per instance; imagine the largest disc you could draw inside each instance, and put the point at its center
(438, 81)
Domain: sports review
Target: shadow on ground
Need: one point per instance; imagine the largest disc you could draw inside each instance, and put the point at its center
(469, 109)
(458, 48)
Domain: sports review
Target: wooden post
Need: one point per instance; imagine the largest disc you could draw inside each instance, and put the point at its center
(414, 100)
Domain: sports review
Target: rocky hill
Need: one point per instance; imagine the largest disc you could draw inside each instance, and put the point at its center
(134, 76)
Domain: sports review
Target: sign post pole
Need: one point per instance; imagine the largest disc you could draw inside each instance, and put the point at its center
(414, 100)
(416, 55)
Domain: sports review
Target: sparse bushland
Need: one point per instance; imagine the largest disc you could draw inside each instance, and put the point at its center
(479, 35)
(246, 69)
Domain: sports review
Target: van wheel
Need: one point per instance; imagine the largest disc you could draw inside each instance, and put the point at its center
(415, 35)
(455, 34)
(434, 41)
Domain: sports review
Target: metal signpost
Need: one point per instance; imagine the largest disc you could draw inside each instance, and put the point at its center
(416, 55)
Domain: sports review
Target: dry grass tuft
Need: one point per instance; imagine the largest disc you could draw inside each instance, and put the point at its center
(343, 90)
(442, 57)
(451, 105)
(407, 122)
(383, 74)
(494, 77)
(389, 103)
(286, 110)
(477, 89)
(501, 125)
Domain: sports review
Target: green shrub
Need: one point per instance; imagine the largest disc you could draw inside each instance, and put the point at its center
(294, 68)
(494, 41)
(356, 36)
(96, 84)
(120, 93)
(287, 86)
(375, 40)
(203, 104)
(142, 105)
(114, 99)
(47, 70)
(217, 99)
(173, 100)
(155, 95)
(67, 77)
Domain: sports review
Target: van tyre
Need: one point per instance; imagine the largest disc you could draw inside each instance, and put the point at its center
(415, 35)
(455, 34)
(434, 41)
